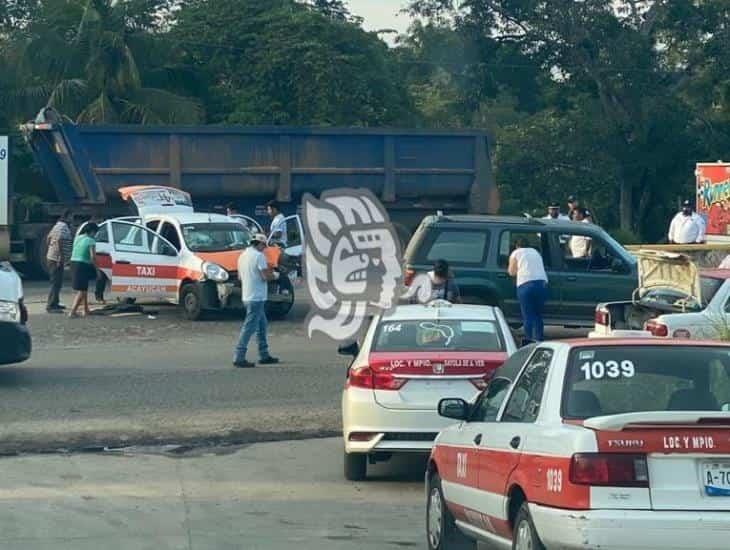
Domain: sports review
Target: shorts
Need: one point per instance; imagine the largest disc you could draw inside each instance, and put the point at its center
(81, 275)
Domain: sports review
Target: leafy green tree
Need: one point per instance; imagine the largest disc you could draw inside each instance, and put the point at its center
(281, 62)
(93, 56)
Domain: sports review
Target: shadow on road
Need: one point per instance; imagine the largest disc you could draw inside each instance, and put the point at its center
(401, 468)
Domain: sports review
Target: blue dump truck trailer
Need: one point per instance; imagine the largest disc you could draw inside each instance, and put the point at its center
(414, 172)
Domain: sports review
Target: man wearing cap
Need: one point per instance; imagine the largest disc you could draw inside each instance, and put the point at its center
(687, 227)
(254, 273)
(554, 213)
(572, 205)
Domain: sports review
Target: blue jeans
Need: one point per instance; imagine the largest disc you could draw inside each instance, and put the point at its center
(255, 321)
(532, 296)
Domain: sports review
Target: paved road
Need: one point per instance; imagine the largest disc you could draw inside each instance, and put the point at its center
(118, 380)
(270, 496)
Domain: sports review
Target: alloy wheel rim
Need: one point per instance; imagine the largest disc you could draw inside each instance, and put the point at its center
(435, 515)
(524, 536)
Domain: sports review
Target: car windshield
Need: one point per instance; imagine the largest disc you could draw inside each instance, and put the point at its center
(677, 300)
(427, 335)
(215, 237)
(627, 379)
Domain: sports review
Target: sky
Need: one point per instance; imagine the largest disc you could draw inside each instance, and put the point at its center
(381, 14)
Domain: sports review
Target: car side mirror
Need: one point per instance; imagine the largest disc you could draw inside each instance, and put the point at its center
(726, 407)
(349, 349)
(458, 409)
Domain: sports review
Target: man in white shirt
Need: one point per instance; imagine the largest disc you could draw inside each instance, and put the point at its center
(580, 245)
(278, 223)
(254, 273)
(687, 227)
(554, 213)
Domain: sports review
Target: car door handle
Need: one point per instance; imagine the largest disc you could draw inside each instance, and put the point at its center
(105, 254)
(572, 278)
(478, 439)
(515, 443)
(124, 262)
(502, 275)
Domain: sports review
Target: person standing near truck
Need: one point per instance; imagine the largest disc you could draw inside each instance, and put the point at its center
(526, 265)
(60, 242)
(83, 270)
(254, 272)
(278, 223)
(687, 227)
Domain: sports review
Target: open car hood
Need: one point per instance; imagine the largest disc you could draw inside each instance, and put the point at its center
(668, 270)
(157, 199)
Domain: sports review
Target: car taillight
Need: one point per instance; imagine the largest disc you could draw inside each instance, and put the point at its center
(681, 333)
(609, 470)
(601, 317)
(656, 328)
(408, 275)
(364, 377)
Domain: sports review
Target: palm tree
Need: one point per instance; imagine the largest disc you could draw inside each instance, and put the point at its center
(94, 69)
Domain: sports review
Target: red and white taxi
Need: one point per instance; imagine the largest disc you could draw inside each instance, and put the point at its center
(173, 254)
(408, 361)
(612, 444)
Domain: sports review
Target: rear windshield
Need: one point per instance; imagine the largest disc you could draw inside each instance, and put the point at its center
(441, 335)
(616, 380)
(676, 300)
(456, 246)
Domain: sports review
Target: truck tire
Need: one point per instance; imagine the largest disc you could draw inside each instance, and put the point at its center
(279, 310)
(441, 530)
(356, 466)
(37, 262)
(191, 302)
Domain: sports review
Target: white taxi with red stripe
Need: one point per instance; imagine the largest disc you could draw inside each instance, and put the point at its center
(408, 361)
(611, 444)
(172, 253)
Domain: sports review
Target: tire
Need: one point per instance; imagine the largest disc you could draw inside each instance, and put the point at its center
(279, 310)
(524, 536)
(441, 530)
(191, 302)
(356, 466)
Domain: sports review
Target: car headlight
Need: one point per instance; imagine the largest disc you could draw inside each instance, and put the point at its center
(214, 272)
(9, 312)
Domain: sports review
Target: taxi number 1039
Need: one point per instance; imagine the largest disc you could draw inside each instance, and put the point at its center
(554, 480)
(598, 370)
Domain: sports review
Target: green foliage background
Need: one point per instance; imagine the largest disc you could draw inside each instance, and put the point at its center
(612, 101)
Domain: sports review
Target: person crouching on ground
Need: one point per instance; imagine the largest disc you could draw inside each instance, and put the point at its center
(254, 273)
(83, 271)
(525, 264)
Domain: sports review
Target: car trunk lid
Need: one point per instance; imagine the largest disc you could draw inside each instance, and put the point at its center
(688, 455)
(428, 376)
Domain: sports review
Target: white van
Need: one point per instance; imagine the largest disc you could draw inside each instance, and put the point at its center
(14, 335)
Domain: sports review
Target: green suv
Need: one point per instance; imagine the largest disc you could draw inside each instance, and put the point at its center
(478, 249)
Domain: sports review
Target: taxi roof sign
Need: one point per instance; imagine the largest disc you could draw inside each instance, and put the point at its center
(439, 303)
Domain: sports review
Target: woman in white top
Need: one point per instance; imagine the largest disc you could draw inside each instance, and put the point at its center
(526, 265)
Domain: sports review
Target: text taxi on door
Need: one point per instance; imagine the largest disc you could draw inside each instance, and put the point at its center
(172, 253)
(618, 444)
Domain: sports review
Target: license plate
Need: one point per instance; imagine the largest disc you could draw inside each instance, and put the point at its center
(716, 479)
